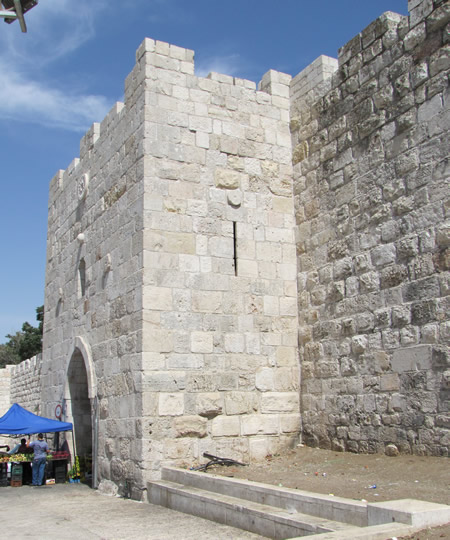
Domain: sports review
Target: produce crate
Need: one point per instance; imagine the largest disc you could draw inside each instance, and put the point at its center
(16, 471)
(16, 483)
(60, 471)
(60, 465)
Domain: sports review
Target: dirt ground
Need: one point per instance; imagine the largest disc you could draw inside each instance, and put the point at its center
(370, 477)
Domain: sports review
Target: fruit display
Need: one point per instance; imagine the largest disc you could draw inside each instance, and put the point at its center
(20, 458)
(16, 458)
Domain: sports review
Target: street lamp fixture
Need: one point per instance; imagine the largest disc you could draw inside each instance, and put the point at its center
(15, 9)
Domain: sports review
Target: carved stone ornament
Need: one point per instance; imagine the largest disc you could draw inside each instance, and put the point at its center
(82, 186)
(235, 198)
(108, 263)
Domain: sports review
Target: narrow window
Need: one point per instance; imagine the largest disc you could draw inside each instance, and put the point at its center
(235, 249)
(81, 279)
(59, 307)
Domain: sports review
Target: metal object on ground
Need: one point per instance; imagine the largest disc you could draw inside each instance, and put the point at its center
(216, 460)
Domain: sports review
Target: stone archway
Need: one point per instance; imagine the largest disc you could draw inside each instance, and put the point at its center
(80, 402)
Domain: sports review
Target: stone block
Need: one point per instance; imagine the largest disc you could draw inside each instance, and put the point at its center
(412, 359)
(279, 402)
(226, 426)
(156, 340)
(206, 301)
(190, 426)
(430, 108)
(202, 342)
(170, 404)
(157, 298)
(383, 255)
(209, 404)
(260, 425)
(185, 361)
(290, 423)
(234, 343)
(389, 382)
(229, 179)
(179, 449)
(260, 448)
(171, 242)
(286, 356)
(265, 380)
(240, 403)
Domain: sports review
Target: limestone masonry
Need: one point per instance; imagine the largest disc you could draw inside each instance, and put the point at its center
(233, 269)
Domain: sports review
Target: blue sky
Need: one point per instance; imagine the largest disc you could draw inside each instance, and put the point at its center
(69, 69)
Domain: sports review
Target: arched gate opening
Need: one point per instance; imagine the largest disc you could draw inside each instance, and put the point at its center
(80, 406)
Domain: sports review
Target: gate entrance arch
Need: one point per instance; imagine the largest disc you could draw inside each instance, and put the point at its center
(80, 402)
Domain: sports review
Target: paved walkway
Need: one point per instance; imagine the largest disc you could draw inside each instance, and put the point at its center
(74, 511)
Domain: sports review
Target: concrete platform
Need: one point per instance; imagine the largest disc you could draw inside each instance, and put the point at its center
(74, 511)
(280, 513)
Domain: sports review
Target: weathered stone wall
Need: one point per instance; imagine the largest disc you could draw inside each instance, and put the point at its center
(25, 387)
(5, 389)
(20, 384)
(371, 183)
(93, 317)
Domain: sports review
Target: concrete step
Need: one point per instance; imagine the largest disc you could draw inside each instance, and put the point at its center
(278, 512)
(293, 500)
(263, 519)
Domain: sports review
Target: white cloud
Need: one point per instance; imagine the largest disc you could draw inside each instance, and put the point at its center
(227, 65)
(55, 29)
(30, 101)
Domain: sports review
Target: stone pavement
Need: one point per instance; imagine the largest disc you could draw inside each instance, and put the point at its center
(74, 511)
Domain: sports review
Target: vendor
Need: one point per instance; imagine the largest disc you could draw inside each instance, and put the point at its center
(21, 448)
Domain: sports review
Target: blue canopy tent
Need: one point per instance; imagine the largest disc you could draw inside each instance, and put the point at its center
(19, 421)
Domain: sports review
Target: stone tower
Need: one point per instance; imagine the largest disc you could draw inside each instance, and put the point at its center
(171, 298)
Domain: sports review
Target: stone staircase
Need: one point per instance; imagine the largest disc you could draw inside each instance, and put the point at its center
(279, 513)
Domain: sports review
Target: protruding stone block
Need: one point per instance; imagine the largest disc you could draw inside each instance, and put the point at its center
(190, 426)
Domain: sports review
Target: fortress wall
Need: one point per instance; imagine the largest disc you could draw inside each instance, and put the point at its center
(207, 270)
(5, 389)
(5, 397)
(25, 385)
(371, 186)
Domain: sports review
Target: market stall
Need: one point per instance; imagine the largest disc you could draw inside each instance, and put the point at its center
(19, 421)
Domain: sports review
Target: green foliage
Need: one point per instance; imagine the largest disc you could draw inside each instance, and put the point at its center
(25, 344)
(8, 354)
